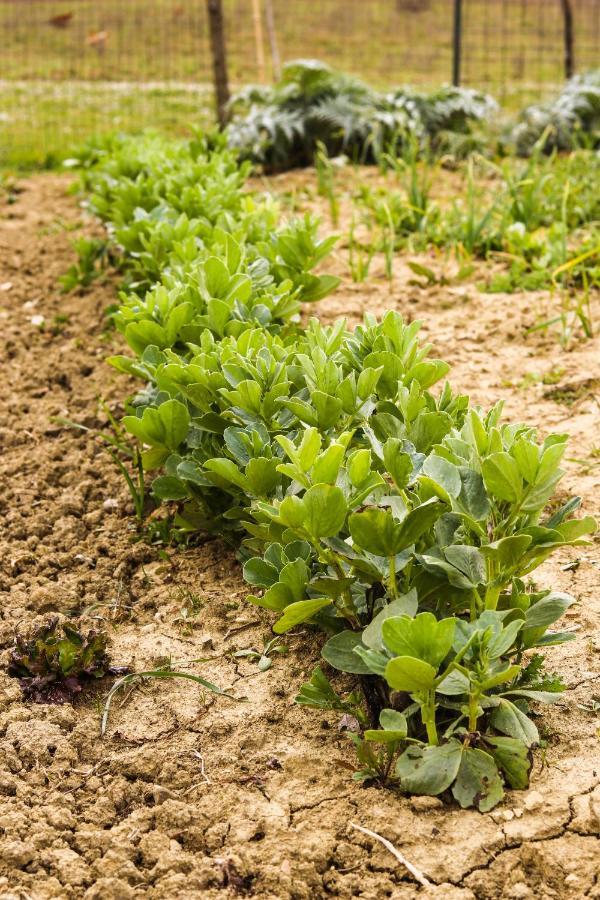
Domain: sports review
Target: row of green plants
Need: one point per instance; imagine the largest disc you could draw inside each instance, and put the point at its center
(536, 220)
(366, 499)
(281, 126)
(536, 195)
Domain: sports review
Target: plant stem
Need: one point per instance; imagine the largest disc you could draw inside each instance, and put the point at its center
(473, 712)
(392, 583)
(428, 718)
(431, 733)
(375, 692)
(347, 607)
(390, 754)
(492, 595)
(475, 599)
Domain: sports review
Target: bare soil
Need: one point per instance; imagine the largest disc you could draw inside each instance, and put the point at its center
(193, 796)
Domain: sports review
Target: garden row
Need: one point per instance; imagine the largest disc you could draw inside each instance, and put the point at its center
(536, 220)
(281, 126)
(365, 497)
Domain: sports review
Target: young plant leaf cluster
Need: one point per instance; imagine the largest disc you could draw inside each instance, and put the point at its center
(54, 661)
(571, 120)
(370, 500)
(313, 107)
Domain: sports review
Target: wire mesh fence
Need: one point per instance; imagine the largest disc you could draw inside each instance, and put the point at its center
(71, 68)
(517, 48)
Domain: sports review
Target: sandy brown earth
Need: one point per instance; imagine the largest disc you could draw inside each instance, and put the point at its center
(193, 796)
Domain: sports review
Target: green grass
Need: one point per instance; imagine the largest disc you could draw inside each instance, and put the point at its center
(41, 122)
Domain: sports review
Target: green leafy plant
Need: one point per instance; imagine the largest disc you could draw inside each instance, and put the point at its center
(360, 256)
(569, 121)
(263, 658)
(418, 571)
(326, 181)
(282, 126)
(319, 693)
(93, 259)
(54, 661)
(370, 501)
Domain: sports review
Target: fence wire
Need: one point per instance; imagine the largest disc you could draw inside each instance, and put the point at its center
(72, 68)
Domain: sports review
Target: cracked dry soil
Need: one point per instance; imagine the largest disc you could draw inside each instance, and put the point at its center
(193, 796)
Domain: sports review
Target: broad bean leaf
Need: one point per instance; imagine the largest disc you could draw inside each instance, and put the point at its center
(394, 727)
(510, 720)
(300, 611)
(502, 477)
(165, 426)
(423, 637)
(339, 653)
(405, 605)
(513, 757)
(406, 673)
(478, 782)
(429, 770)
(324, 510)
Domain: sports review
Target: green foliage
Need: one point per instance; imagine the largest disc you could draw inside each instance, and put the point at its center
(371, 501)
(571, 120)
(536, 218)
(93, 258)
(262, 658)
(318, 693)
(314, 109)
(53, 661)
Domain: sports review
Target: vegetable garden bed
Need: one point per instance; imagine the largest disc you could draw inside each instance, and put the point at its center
(192, 795)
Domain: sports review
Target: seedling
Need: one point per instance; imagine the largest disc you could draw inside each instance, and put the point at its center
(326, 182)
(360, 256)
(55, 661)
(191, 607)
(319, 693)
(471, 226)
(137, 678)
(388, 245)
(263, 658)
(94, 257)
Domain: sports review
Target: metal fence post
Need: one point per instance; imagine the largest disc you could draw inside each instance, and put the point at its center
(567, 11)
(219, 58)
(456, 42)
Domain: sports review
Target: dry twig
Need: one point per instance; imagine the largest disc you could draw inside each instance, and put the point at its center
(416, 873)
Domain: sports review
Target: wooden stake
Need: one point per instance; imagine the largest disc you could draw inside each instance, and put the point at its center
(219, 58)
(258, 39)
(275, 58)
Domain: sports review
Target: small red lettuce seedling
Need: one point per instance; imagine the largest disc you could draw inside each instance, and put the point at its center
(54, 661)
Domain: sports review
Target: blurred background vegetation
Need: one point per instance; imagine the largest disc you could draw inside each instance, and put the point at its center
(74, 68)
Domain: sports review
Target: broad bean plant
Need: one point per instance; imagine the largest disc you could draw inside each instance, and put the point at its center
(366, 498)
